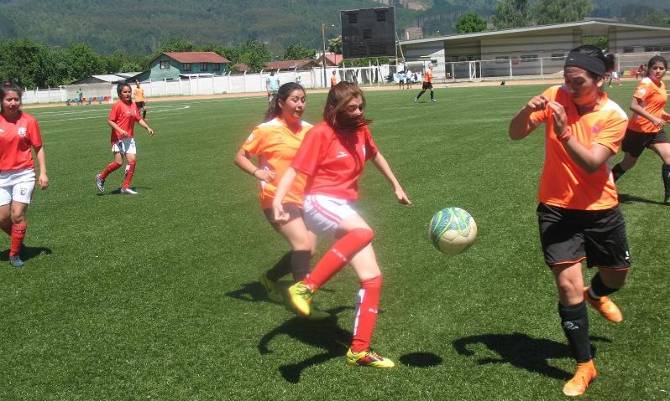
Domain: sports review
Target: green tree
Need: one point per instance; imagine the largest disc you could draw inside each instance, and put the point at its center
(559, 11)
(20, 61)
(176, 45)
(511, 14)
(297, 51)
(84, 61)
(470, 22)
(254, 54)
(335, 45)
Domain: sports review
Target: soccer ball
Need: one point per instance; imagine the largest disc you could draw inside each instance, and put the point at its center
(452, 230)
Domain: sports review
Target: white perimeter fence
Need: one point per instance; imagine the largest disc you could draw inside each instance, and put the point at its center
(502, 68)
(198, 86)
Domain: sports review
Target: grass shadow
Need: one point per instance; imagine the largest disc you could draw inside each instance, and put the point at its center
(27, 253)
(521, 351)
(420, 359)
(325, 334)
(626, 198)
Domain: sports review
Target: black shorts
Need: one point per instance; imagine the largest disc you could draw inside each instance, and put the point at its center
(293, 209)
(635, 142)
(139, 104)
(427, 85)
(570, 236)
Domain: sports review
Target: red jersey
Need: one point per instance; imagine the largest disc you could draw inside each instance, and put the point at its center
(125, 116)
(334, 161)
(564, 183)
(17, 139)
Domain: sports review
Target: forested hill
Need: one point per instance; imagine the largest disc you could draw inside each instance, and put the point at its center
(140, 27)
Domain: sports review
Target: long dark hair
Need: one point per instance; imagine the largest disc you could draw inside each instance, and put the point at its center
(9, 86)
(274, 109)
(654, 60)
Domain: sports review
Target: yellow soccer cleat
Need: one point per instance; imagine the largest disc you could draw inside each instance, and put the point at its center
(300, 298)
(584, 375)
(368, 358)
(605, 307)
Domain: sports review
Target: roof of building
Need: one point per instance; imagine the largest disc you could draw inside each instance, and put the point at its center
(597, 27)
(197, 57)
(289, 64)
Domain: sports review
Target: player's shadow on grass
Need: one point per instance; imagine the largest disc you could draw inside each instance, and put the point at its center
(27, 253)
(521, 351)
(254, 292)
(117, 191)
(325, 334)
(626, 198)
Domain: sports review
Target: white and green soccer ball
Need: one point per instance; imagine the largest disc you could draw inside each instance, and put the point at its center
(452, 230)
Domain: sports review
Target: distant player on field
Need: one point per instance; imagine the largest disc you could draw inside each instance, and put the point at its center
(140, 100)
(272, 85)
(645, 128)
(578, 211)
(427, 84)
(333, 79)
(274, 143)
(19, 137)
(332, 156)
(122, 119)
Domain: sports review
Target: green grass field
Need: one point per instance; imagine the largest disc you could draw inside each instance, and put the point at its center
(155, 297)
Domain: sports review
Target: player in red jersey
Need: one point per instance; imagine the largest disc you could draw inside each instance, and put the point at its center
(645, 128)
(19, 136)
(332, 156)
(122, 119)
(578, 211)
(274, 143)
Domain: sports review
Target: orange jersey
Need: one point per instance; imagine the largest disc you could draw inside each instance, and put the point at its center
(653, 99)
(139, 94)
(275, 145)
(17, 139)
(564, 183)
(428, 75)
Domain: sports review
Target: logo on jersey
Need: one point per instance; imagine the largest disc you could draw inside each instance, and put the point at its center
(22, 132)
(341, 154)
(597, 127)
(2, 131)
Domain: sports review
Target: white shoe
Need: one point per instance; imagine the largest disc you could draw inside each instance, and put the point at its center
(100, 183)
(128, 191)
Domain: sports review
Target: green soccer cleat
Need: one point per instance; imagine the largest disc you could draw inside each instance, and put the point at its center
(271, 288)
(300, 298)
(368, 358)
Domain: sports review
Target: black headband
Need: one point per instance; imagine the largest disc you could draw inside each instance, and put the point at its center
(589, 63)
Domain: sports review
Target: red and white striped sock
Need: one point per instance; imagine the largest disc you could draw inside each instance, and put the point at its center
(366, 313)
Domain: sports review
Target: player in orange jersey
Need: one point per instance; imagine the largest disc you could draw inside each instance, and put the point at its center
(427, 84)
(122, 119)
(333, 79)
(274, 143)
(578, 209)
(19, 136)
(333, 155)
(140, 100)
(645, 128)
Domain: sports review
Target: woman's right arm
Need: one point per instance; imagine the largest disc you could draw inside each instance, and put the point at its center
(521, 125)
(282, 188)
(637, 108)
(116, 127)
(243, 161)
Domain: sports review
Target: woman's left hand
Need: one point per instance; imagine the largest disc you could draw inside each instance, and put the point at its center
(43, 181)
(402, 196)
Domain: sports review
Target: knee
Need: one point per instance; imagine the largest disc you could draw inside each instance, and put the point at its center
(18, 218)
(364, 235)
(568, 289)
